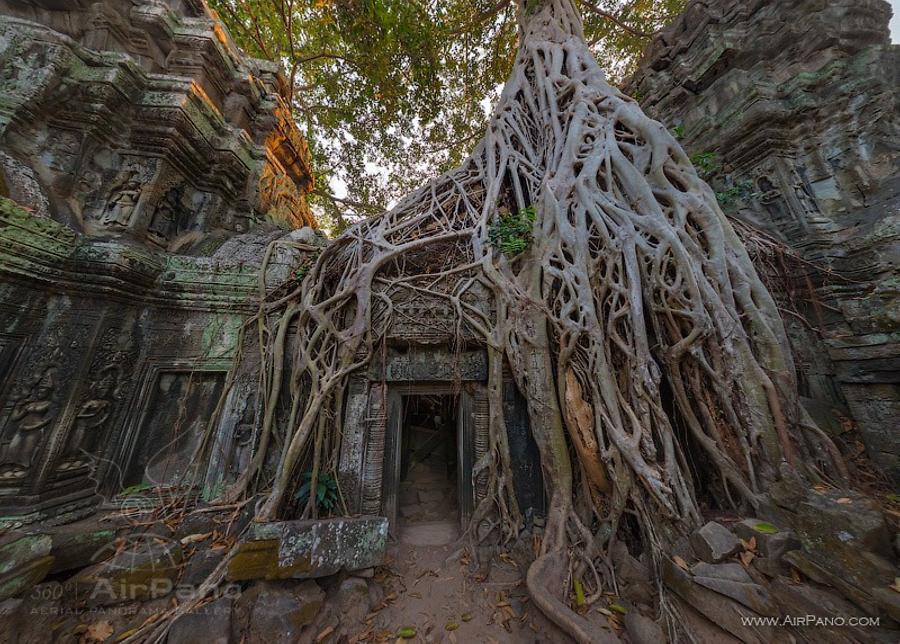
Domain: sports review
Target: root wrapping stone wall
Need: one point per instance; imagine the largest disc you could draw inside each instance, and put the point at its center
(791, 108)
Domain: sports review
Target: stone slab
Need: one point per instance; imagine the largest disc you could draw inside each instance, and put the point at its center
(309, 549)
(24, 561)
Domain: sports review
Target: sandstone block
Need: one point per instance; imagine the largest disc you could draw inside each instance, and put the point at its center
(714, 543)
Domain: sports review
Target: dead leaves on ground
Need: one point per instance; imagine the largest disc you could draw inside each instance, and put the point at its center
(97, 632)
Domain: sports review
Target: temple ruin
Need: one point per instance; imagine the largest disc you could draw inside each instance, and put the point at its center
(153, 189)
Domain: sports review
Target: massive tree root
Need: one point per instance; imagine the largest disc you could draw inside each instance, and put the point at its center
(632, 320)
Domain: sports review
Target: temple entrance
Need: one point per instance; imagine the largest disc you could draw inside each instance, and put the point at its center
(429, 458)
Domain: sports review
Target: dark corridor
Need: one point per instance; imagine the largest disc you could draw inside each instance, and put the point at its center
(429, 456)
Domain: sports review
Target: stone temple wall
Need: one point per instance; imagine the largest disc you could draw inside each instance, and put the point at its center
(145, 167)
(791, 108)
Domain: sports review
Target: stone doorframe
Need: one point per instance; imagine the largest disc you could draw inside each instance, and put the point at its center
(370, 451)
(471, 424)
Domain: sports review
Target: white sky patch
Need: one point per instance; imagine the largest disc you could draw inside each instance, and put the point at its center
(895, 22)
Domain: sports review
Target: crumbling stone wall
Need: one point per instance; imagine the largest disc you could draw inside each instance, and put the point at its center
(143, 120)
(797, 101)
(146, 166)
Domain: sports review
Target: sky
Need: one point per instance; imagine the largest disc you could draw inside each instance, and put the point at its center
(895, 22)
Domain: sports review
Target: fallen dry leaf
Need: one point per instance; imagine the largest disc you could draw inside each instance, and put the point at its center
(99, 631)
(681, 563)
(195, 538)
(328, 631)
(844, 500)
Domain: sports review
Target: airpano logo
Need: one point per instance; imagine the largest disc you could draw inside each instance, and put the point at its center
(813, 621)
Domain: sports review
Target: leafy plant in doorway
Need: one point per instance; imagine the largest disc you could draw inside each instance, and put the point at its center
(326, 491)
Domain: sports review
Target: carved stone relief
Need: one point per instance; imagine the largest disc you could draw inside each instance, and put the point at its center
(31, 410)
(122, 200)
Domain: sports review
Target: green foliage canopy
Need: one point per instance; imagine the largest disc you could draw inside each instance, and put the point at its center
(391, 92)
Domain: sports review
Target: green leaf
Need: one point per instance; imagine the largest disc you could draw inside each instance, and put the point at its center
(407, 632)
(765, 528)
(136, 489)
(579, 593)
(618, 608)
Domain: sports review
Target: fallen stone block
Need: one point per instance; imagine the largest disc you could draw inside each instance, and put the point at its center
(771, 541)
(714, 543)
(200, 566)
(25, 560)
(842, 519)
(731, 580)
(820, 602)
(277, 612)
(309, 549)
(147, 569)
(722, 611)
(76, 545)
(642, 630)
(352, 599)
(209, 624)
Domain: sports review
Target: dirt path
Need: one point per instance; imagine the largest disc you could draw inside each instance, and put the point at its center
(429, 588)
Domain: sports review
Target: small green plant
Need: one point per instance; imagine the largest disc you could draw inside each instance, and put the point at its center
(136, 489)
(512, 234)
(303, 270)
(326, 491)
(729, 197)
(678, 132)
(707, 163)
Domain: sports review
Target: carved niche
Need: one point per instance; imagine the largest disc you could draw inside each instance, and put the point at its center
(81, 447)
(122, 199)
(29, 415)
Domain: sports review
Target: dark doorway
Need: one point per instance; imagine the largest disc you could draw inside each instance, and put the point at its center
(429, 463)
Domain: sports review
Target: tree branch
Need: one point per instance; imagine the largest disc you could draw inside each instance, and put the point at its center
(614, 19)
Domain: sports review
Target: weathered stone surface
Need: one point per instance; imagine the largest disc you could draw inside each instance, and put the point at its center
(209, 624)
(200, 566)
(146, 570)
(277, 612)
(24, 561)
(309, 549)
(771, 542)
(431, 496)
(798, 101)
(818, 602)
(433, 533)
(702, 629)
(733, 581)
(643, 630)
(352, 599)
(842, 519)
(75, 545)
(719, 609)
(135, 141)
(714, 542)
